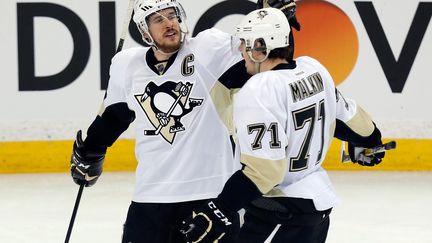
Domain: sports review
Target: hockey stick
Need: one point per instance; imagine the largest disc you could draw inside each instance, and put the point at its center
(344, 156)
(125, 25)
(380, 148)
(71, 223)
(366, 152)
(273, 233)
(119, 48)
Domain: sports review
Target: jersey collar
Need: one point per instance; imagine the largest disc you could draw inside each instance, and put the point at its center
(157, 66)
(282, 66)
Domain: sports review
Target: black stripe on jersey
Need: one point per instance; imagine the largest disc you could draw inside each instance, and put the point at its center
(236, 76)
(233, 145)
(283, 66)
(105, 129)
(152, 62)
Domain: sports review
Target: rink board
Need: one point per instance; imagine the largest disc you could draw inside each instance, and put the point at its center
(54, 156)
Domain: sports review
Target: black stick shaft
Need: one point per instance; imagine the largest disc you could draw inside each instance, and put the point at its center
(120, 45)
(71, 223)
(126, 23)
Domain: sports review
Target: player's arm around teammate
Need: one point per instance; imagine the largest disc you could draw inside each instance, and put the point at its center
(171, 90)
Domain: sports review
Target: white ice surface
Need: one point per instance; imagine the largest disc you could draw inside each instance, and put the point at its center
(377, 207)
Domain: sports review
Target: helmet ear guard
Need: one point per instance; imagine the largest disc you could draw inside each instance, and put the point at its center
(258, 45)
(144, 8)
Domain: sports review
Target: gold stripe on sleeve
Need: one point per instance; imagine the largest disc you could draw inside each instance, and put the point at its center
(265, 173)
(361, 123)
(223, 100)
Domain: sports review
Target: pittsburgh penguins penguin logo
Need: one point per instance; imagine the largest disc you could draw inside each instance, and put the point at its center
(165, 105)
(262, 14)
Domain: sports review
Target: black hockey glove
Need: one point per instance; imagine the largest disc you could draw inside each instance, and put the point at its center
(357, 155)
(209, 223)
(356, 150)
(288, 7)
(218, 218)
(86, 164)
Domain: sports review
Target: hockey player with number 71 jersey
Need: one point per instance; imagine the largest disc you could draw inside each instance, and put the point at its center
(285, 116)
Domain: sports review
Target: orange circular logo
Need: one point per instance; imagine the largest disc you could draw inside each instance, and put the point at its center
(328, 35)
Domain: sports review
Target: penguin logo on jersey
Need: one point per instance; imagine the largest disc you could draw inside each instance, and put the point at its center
(165, 105)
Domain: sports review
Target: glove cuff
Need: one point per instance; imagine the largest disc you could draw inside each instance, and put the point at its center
(345, 133)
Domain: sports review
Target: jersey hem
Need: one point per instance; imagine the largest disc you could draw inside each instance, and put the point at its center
(170, 199)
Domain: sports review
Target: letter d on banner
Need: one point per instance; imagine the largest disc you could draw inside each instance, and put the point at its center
(26, 12)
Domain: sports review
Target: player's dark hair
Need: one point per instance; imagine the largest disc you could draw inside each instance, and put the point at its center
(282, 53)
(286, 53)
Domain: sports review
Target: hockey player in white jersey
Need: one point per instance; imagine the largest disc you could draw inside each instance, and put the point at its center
(178, 92)
(285, 117)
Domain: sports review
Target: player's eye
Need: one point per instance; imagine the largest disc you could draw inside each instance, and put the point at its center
(158, 20)
(172, 16)
(161, 18)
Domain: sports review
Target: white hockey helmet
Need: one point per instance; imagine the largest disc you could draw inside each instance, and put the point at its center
(269, 26)
(144, 8)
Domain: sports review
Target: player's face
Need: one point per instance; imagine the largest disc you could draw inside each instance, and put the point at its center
(164, 27)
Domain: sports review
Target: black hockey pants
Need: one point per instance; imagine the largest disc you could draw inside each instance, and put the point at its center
(298, 222)
(159, 222)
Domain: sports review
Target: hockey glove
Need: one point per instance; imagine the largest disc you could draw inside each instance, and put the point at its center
(288, 7)
(357, 156)
(208, 224)
(86, 164)
(356, 149)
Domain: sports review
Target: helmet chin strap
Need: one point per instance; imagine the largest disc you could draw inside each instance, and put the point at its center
(257, 67)
(257, 63)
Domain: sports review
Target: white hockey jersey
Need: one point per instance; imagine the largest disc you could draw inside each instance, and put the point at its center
(286, 118)
(182, 146)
